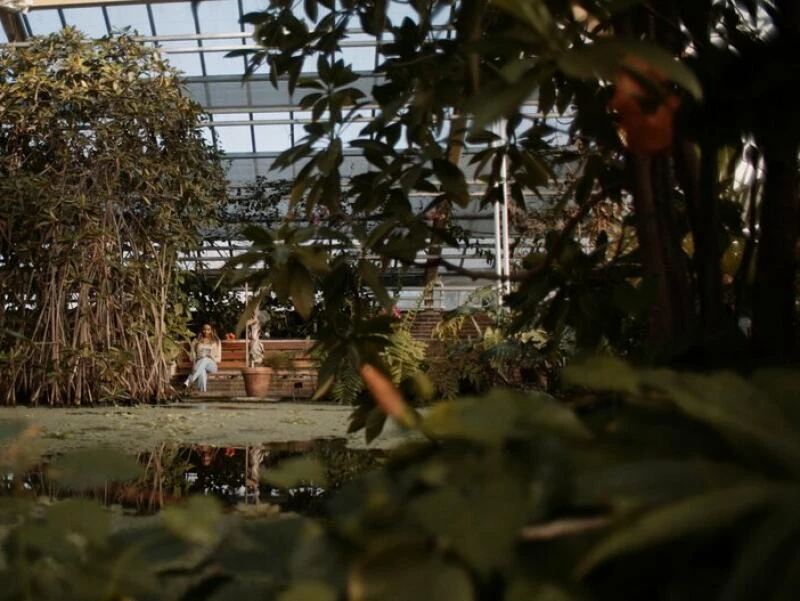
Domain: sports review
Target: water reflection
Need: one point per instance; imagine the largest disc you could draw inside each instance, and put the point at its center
(231, 473)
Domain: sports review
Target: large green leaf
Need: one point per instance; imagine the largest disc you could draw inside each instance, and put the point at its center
(783, 387)
(734, 407)
(301, 289)
(93, 468)
(522, 590)
(739, 411)
(754, 574)
(295, 471)
(702, 514)
(502, 415)
(407, 572)
(630, 485)
(83, 517)
(788, 586)
(602, 373)
(309, 591)
(501, 100)
(374, 424)
(198, 521)
(316, 556)
(452, 180)
(370, 274)
(150, 546)
(46, 539)
(481, 521)
(261, 548)
(533, 13)
(604, 58)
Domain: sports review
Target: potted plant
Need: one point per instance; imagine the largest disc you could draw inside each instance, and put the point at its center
(257, 379)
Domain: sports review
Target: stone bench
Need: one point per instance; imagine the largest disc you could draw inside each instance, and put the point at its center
(297, 381)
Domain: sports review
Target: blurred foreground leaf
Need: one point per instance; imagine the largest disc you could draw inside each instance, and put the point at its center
(198, 521)
(295, 471)
(705, 513)
(407, 573)
(86, 518)
(500, 415)
(93, 468)
(309, 591)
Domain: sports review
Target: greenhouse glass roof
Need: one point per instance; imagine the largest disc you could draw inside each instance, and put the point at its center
(250, 121)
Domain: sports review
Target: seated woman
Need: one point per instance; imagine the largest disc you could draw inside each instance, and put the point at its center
(206, 353)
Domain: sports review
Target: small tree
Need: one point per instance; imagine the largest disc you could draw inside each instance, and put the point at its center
(659, 114)
(104, 177)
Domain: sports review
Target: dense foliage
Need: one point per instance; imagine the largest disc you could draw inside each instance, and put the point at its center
(104, 176)
(659, 125)
(687, 490)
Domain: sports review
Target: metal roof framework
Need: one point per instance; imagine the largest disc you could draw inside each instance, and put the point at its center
(250, 121)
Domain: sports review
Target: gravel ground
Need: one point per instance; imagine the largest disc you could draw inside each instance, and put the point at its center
(140, 428)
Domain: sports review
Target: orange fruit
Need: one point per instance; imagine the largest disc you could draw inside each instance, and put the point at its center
(645, 118)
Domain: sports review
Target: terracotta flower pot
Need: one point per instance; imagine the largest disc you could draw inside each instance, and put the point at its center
(257, 380)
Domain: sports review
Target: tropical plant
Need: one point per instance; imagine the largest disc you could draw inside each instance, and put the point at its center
(640, 139)
(105, 176)
(687, 490)
(474, 351)
(404, 357)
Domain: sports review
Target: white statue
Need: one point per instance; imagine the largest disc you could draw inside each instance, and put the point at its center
(254, 340)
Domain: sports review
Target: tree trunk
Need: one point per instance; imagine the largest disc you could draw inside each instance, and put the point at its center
(664, 266)
(469, 27)
(774, 293)
(774, 296)
(697, 176)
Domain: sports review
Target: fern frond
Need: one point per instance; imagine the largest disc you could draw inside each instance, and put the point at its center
(404, 354)
(348, 385)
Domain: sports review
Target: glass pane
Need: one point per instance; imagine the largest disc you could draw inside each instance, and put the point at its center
(234, 139)
(272, 138)
(276, 116)
(358, 37)
(173, 18)
(43, 22)
(442, 17)
(300, 118)
(89, 20)
(217, 64)
(132, 15)
(221, 16)
(188, 63)
(224, 117)
(361, 58)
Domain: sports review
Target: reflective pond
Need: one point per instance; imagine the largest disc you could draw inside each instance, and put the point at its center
(172, 472)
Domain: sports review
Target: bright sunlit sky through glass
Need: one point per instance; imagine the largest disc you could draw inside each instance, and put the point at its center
(251, 122)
